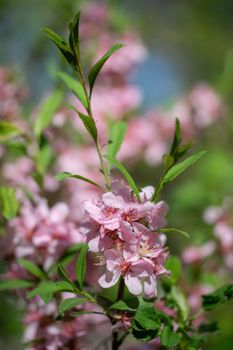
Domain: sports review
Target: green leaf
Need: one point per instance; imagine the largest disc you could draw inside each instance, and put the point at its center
(146, 323)
(181, 167)
(146, 316)
(63, 274)
(51, 287)
(116, 137)
(127, 176)
(76, 87)
(43, 159)
(48, 109)
(180, 301)
(69, 253)
(168, 338)
(176, 139)
(61, 45)
(15, 284)
(174, 230)
(97, 67)
(68, 304)
(9, 202)
(65, 175)
(74, 35)
(89, 124)
(125, 305)
(8, 130)
(81, 265)
(218, 297)
(173, 264)
(32, 268)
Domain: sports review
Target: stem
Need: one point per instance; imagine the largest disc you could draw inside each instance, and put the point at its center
(120, 293)
(89, 110)
(115, 341)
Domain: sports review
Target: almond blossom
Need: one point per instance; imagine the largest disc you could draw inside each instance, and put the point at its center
(41, 233)
(122, 228)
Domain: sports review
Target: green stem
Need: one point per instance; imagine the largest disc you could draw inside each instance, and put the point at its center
(120, 293)
(89, 110)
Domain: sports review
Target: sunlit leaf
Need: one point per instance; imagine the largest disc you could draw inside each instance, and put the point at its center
(66, 175)
(116, 137)
(69, 303)
(75, 86)
(9, 202)
(51, 287)
(8, 130)
(32, 268)
(97, 67)
(48, 109)
(182, 166)
(15, 284)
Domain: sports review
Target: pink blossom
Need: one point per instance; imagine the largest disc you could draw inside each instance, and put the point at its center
(40, 233)
(195, 254)
(129, 267)
(117, 207)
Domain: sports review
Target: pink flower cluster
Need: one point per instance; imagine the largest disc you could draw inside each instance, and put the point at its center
(41, 233)
(126, 232)
(221, 218)
(11, 95)
(43, 333)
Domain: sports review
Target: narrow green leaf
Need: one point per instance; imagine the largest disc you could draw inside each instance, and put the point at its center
(51, 287)
(63, 274)
(32, 268)
(44, 158)
(176, 139)
(66, 175)
(61, 45)
(97, 67)
(181, 167)
(89, 124)
(48, 109)
(9, 202)
(116, 137)
(75, 86)
(8, 130)
(125, 173)
(169, 338)
(81, 265)
(74, 34)
(68, 304)
(15, 284)
(174, 230)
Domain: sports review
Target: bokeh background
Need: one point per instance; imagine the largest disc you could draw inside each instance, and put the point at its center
(188, 42)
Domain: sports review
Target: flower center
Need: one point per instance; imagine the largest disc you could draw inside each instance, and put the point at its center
(130, 215)
(125, 267)
(108, 211)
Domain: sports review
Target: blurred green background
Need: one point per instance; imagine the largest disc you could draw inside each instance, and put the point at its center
(188, 42)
